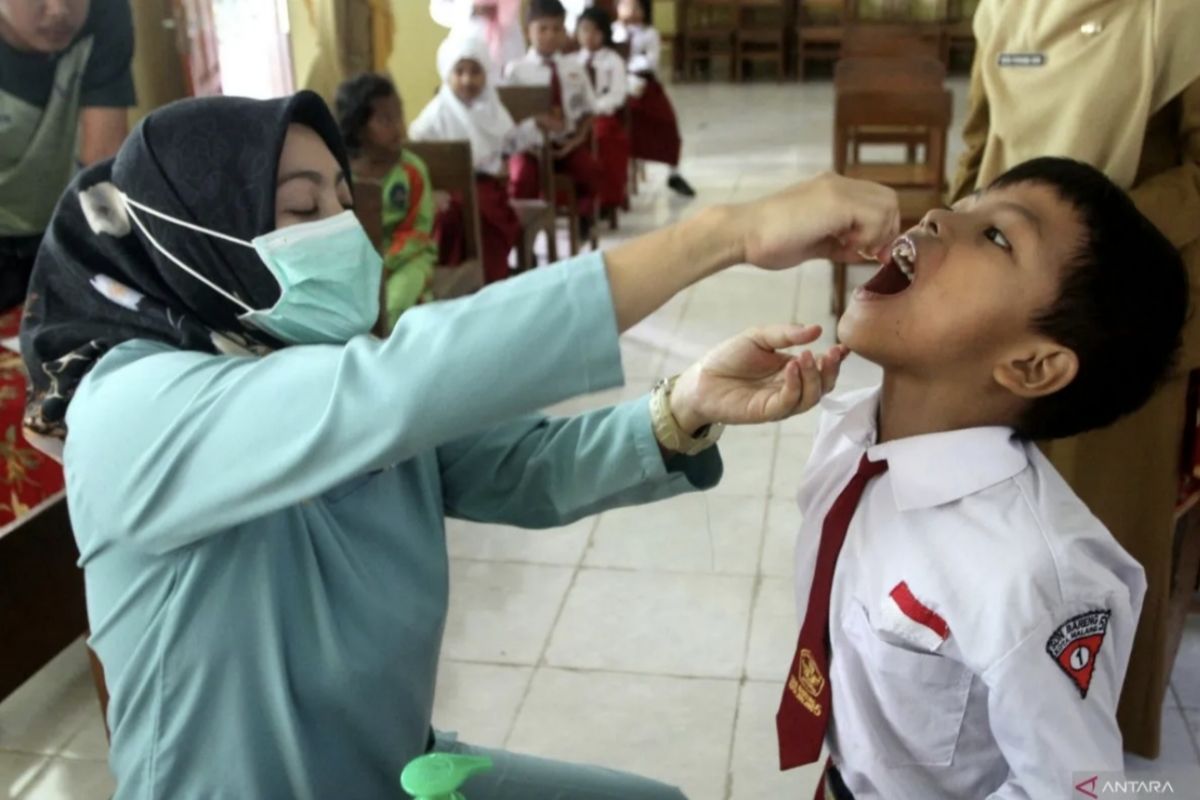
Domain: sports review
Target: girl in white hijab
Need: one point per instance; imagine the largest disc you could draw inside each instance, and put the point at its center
(468, 108)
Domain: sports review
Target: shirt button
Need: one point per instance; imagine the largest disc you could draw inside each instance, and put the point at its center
(1091, 28)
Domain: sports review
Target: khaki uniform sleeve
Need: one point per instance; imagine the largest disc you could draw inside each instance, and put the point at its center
(1171, 199)
(975, 133)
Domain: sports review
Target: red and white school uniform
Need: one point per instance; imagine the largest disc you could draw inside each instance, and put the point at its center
(573, 95)
(493, 135)
(606, 69)
(979, 618)
(655, 126)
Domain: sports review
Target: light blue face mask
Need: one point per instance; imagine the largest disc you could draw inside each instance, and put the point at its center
(328, 274)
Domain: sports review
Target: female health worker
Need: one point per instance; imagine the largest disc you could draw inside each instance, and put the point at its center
(258, 486)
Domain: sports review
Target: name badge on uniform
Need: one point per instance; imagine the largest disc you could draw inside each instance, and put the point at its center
(1022, 60)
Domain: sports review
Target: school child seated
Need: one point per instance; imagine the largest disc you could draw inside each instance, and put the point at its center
(371, 118)
(976, 637)
(467, 107)
(606, 70)
(569, 125)
(655, 127)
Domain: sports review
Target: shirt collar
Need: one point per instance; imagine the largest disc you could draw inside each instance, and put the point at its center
(932, 469)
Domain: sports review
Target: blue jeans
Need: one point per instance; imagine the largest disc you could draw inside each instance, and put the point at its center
(518, 777)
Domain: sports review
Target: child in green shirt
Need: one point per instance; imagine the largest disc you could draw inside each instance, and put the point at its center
(371, 117)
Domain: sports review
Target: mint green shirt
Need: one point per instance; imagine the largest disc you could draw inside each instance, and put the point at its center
(262, 538)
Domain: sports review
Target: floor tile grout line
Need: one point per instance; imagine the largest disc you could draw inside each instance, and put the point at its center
(733, 679)
(608, 568)
(1192, 734)
(19, 751)
(562, 604)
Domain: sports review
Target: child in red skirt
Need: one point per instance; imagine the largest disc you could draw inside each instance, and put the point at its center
(606, 69)
(655, 127)
(570, 125)
(467, 107)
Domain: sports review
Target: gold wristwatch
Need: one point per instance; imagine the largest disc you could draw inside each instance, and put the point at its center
(666, 427)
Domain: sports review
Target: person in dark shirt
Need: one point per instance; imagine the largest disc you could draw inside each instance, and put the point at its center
(65, 85)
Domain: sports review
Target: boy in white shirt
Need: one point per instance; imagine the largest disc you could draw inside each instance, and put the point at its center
(966, 622)
(606, 70)
(570, 125)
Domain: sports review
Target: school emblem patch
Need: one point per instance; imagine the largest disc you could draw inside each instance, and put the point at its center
(808, 682)
(1076, 644)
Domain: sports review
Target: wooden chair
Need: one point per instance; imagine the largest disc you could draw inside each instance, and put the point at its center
(892, 41)
(522, 103)
(896, 75)
(707, 32)
(447, 163)
(452, 169)
(536, 216)
(820, 26)
(763, 30)
(919, 185)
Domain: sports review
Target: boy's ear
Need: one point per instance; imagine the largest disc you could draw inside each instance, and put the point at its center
(1038, 370)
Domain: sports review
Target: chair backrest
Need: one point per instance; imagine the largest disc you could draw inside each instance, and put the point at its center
(823, 12)
(888, 41)
(524, 102)
(712, 16)
(451, 169)
(879, 74)
(930, 110)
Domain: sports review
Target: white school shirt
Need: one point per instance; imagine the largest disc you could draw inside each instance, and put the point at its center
(981, 618)
(645, 46)
(610, 86)
(578, 99)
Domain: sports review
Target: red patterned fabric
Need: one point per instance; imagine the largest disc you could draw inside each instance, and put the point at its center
(30, 478)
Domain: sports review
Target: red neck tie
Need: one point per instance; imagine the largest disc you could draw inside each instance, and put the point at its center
(591, 71)
(556, 97)
(807, 699)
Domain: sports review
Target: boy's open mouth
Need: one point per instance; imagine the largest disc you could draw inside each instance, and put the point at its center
(897, 272)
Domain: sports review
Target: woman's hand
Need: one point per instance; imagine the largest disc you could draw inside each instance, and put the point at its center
(828, 216)
(746, 381)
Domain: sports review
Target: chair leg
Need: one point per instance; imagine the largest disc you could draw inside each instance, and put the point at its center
(552, 240)
(838, 301)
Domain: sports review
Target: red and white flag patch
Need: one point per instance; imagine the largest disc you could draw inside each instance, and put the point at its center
(909, 618)
(1076, 645)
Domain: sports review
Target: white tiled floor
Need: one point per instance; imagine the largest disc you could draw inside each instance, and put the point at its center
(649, 640)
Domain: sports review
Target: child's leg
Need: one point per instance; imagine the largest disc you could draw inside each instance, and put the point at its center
(524, 181)
(519, 777)
(586, 173)
(498, 225)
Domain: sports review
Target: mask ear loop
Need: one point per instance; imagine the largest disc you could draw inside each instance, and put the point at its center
(130, 205)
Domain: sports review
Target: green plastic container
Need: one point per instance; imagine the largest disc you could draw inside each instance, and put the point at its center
(438, 776)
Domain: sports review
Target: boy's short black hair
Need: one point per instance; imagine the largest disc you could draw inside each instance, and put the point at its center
(1121, 304)
(354, 99)
(542, 9)
(600, 18)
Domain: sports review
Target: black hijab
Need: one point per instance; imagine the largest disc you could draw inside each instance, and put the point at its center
(209, 161)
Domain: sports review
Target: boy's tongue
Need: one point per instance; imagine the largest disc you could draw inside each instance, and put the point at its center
(888, 280)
